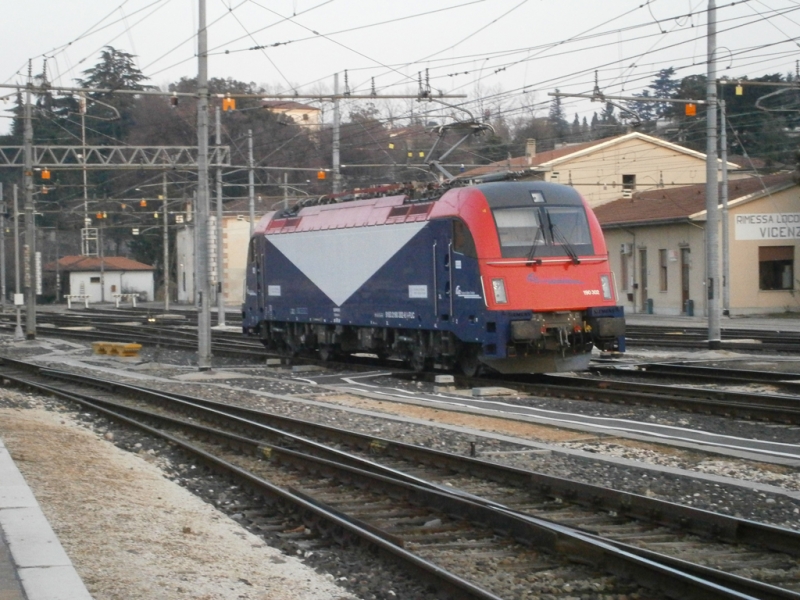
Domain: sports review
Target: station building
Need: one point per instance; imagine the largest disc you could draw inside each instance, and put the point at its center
(610, 168)
(657, 239)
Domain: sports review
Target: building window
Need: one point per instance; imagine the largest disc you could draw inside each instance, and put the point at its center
(629, 183)
(94, 280)
(776, 268)
(662, 270)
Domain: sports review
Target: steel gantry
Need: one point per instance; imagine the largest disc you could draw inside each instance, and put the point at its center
(114, 157)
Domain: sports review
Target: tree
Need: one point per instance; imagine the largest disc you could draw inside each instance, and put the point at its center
(116, 70)
(664, 86)
(645, 109)
(557, 119)
(575, 131)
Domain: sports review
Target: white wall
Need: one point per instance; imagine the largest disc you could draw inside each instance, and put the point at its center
(113, 282)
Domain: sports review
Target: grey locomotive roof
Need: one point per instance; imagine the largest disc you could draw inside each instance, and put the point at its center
(518, 193)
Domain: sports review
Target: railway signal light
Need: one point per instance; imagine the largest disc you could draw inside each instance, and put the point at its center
(691, 110)
(739, 89)
(142, 202)
(320, 174)
(45, 174)
(228, 103)
(173, 101)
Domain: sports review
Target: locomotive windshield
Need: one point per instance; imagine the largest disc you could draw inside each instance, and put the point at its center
(529, 231)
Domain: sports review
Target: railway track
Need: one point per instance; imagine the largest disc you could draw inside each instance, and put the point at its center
(453, 512)
(750, 340)
(614, 387)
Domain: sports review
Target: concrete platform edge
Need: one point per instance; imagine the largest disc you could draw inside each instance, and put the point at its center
(43, 567)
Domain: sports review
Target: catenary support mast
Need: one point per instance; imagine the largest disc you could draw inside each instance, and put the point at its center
(201, 228)
(712, 187)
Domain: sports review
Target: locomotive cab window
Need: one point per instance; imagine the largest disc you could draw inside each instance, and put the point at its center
(543, 231)
(569, 223)
(462, 240)
(518, 229)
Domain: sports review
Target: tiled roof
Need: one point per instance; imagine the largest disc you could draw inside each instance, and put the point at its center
(92, 263)
(520, 163)
(677, 204)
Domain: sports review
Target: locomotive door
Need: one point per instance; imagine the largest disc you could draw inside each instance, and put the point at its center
(442, 300)
(456, 274)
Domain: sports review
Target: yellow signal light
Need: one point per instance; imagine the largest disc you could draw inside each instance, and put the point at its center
(155, 215)
(410, 154)
(691, 110)
(45, 174)
(422, 155)
(739, 89)
(321, 175)
(391, 146)
(142, 202)
(228, 104)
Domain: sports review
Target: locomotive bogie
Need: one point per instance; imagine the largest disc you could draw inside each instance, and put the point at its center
(511, 276)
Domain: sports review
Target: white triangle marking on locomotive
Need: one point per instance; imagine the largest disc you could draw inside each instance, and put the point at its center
(340, 261)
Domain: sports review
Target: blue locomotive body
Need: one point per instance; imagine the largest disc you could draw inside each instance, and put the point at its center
(401, 278)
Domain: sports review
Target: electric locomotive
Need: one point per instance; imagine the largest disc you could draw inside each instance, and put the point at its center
(509, 276)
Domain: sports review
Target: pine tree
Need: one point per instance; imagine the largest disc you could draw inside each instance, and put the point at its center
(575, 130)
(557, 121)
(116, 70)
(664, 86)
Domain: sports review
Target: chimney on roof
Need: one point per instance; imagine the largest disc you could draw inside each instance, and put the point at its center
(530, 150)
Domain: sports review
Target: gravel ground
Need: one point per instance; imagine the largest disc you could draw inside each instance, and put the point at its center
(275, 391)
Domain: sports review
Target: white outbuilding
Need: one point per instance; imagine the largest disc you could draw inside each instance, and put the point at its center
(101, 279)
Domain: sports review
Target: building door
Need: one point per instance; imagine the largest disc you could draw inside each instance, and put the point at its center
(643, 278)
(685, 255)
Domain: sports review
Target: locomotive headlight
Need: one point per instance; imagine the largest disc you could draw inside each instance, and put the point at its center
(605, 284)
(499, 288)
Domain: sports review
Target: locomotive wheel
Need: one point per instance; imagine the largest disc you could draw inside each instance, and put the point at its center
(468, 361)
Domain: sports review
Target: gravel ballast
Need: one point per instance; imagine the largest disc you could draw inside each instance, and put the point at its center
(108, 521)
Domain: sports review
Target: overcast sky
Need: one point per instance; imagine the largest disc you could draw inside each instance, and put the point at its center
(511, 51)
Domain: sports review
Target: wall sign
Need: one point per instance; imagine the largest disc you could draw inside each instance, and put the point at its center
(768, 226)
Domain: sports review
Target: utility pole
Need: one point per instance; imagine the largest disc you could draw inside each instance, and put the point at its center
(203, 290)
(337, 173)
(85, 243)
(17, 288)
(251, 183)
(27, 180)
(712, 186)
(726, 262)
(166, 241)
(220, 262)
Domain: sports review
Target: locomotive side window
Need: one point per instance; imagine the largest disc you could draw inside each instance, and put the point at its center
(462, 240)
(519, 229)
